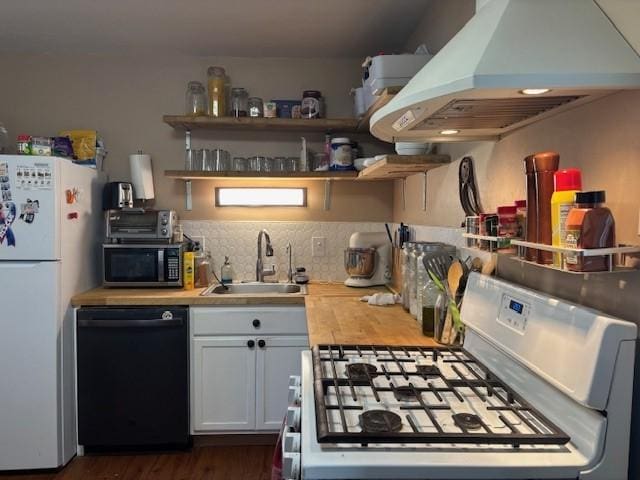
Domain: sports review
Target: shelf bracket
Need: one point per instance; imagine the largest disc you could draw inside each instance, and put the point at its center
(187, 139)
(327, 194)
(188, 202)
(424, 191)
(404, 193)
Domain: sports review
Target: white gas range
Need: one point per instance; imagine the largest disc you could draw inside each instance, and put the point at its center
(540, 390)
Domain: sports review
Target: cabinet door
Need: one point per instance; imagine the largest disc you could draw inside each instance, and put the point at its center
(276, 361)
(223, 384)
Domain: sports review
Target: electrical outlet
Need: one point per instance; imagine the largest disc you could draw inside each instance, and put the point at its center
(318, 246)
(201, 239)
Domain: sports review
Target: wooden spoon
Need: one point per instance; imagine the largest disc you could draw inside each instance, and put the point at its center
(489, 266)
(454, 275)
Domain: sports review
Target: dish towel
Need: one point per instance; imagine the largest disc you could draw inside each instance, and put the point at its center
(382, 299)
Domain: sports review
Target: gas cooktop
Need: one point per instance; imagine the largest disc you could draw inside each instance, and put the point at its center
(381, 394)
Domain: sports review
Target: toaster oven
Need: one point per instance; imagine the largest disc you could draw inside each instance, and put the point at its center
(140, 225)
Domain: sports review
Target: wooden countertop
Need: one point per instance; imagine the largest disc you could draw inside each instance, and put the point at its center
(349, 321)
(174, 296)
(334, 311)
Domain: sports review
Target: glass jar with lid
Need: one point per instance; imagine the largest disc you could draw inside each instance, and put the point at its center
(255, 107)
(195, 99)
(216, 83)
(239, 102)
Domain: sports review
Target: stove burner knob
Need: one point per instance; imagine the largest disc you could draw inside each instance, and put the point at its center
(251, 344)
(262, 343)
(256, 322)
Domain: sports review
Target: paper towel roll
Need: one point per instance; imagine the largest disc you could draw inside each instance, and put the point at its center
(141, 176)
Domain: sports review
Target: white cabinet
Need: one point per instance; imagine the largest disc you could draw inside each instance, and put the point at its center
(223, 383)
(278, 359)
(241, 360)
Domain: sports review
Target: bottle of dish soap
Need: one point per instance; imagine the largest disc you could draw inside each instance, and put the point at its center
(226, 271)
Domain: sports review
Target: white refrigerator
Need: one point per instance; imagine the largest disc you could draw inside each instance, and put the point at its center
(50, 229)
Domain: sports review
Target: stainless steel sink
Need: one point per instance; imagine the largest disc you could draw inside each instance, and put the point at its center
(256, 288)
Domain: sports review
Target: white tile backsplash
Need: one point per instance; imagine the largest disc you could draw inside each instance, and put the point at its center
(238, 240)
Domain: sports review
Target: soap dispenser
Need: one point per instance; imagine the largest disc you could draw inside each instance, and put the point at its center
(226, 271)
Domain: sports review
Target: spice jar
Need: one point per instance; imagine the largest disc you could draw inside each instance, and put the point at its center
(255, 107)
(589, 225)
(239, 102)
(216, 84)
(195, 99)
(507, 226)
(521, 217)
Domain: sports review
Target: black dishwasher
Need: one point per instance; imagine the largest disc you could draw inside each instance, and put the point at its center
(133, 377)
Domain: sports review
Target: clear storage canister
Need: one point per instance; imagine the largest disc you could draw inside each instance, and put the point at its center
(239, 102)
(216, 84)
(422, 276)
(195, 99)
(255, 107)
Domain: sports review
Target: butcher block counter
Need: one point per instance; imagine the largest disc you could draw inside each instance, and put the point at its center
(334, 311)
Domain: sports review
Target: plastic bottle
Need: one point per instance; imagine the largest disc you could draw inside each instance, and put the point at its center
(566, 184)
(226, 271)
(188, 270)
(589, 225)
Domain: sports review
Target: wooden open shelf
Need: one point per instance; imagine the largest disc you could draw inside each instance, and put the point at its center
(402, 166)
(389, 168)
(343, 125)
(198, 175)
(381, 100)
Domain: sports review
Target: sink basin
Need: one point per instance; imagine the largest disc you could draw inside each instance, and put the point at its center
(255, 288)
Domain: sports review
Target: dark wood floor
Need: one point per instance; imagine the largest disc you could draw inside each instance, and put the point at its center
(201, 463)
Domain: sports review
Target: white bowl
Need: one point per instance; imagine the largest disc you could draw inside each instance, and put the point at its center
(412, 148)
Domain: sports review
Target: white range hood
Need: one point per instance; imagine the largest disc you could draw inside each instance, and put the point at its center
(474, 84)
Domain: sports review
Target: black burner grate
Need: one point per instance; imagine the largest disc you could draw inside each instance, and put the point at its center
(397, 364)
(361, 372)
(380, 421)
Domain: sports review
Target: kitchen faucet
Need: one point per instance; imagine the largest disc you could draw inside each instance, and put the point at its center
(260, 271)
(290, 271)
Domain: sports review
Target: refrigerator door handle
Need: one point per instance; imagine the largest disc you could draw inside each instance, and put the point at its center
(120, 323)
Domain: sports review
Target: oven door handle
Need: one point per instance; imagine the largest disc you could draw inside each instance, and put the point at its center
(123, 323)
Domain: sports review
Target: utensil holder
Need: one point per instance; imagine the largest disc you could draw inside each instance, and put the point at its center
(444, 331)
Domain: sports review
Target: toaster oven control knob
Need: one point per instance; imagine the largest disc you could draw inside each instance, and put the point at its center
(164, 221)
(163, 231)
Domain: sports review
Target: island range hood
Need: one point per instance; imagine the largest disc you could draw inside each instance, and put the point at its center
(515, 62)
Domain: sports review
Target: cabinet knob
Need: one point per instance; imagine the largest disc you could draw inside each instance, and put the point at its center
(262, 343)
(256, 322)
(251, 344)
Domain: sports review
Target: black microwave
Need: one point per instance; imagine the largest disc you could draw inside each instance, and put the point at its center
(141, 265)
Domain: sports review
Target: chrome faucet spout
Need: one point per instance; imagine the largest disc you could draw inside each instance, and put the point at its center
(262, 272)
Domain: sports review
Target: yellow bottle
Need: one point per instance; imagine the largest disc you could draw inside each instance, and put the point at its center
(188, 279)
(566, 184)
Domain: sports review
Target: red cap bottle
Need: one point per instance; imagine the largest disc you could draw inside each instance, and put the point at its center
(568, 179)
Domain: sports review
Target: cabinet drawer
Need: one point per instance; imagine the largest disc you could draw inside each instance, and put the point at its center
(253, 320)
